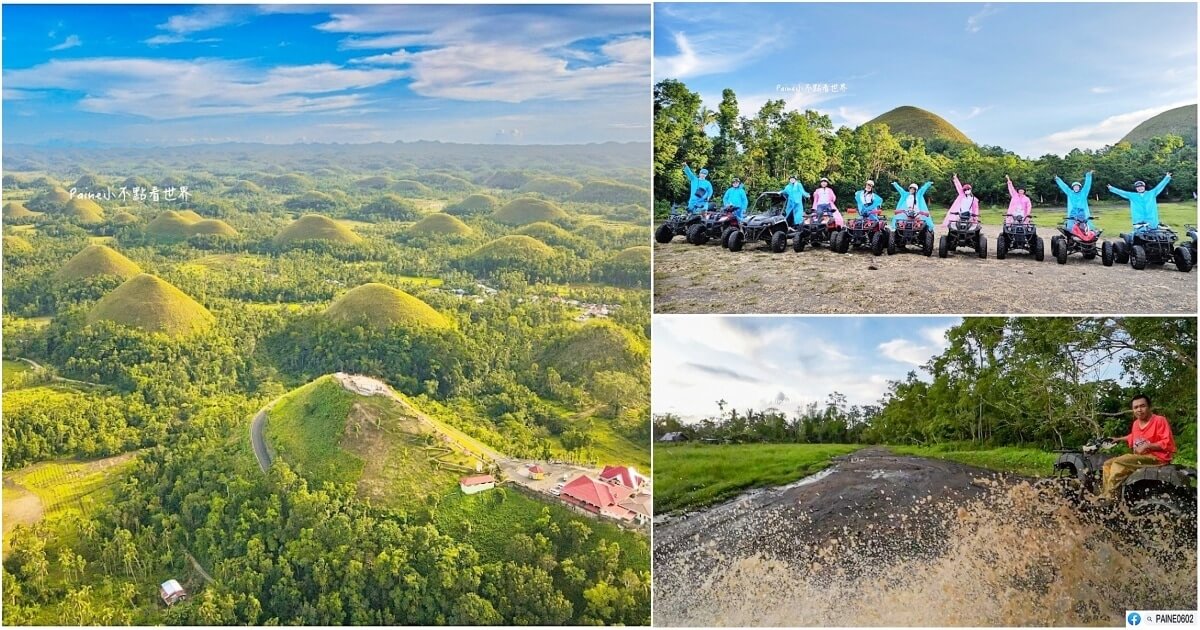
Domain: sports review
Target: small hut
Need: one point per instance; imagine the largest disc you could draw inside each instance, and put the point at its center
(171, 592)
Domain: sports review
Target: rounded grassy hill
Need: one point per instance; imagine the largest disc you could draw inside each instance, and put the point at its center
(381, 306)
(316, 227)
(98, 260)
(152, 304)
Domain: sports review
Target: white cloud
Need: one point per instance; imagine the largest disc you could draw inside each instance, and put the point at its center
(975, 21)
(70, 42)
(850, 116)
(710, 53)
(167, 88)
(1100, 89)
(905, 351)
(204, 18)
(1104, 132)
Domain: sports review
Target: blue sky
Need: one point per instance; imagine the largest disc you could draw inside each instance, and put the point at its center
(178, 74)
(784, 361)
(1033, 78)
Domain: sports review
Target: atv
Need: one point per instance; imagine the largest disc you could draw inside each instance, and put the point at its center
(1191, 242)
(1169, 490)
(864, 233)
(817, 228)
(964, 232)
(1020, 234)
(677, 223)
(911, 230)
(767, 224)
(1083, 241)
(1154, 247)
(710, 225)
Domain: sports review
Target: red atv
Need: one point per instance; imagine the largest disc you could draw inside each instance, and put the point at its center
(817, 227)
(864, 233)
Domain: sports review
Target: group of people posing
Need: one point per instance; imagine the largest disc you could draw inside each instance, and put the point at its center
(1143, 202)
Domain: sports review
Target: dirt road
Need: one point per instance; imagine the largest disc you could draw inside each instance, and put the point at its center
(709, 279)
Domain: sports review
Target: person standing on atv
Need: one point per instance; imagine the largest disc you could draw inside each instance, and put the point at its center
(795, 193)
(1143, 205)
(868, 202)
(736, 197)
(965, 202)
(1019, 205)
(1149, 438)
(1079, 216)
(701, 190)
(824, 199)
(912, 199)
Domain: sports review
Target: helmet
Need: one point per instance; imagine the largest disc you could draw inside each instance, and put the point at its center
(1074, 184)
(825, 179)
(870, 182)
(913, 185)
(704, 171)
(1139, 183)
(966, 187)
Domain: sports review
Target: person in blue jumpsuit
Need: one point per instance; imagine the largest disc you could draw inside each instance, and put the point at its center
(1143, 205)
(1078, 213)
(736, 197)
(701, 190)
(868, 202)
(912, 199)
(794, 211)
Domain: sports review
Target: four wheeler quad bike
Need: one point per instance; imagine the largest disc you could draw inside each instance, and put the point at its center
(1020, 235)
(1191, 242)
(815, 229)
(677, 223)
(709, 226)
(1153, 247)
(1069, 242)
(965, 231)
(1168, 490)
(864, 233)
(767, 224)
(911, 230)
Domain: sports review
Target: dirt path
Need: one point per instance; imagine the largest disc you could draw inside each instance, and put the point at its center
(21, 507)
(709, 279)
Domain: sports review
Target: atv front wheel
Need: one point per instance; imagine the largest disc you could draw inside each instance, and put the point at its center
(943, 247)
(1106, 253)
(696, 235)
(877, 243)
(1061, 254)
(664, 233)
(1001, 247)
(725, 237)
(736, 240)
(927, 248)
(981, 246)
(1121, 252)
(1183, 259)
(1137, 257)
(1039, 250)
(779, 241)
(799, 242)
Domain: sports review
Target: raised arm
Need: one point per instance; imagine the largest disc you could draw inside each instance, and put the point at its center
(1062, 185)
(957, 185)
(924, 187)
(1087, 184)
(687, 170)
(898, 188)
(1118, 192)
(1012, 190)
(1161, 185)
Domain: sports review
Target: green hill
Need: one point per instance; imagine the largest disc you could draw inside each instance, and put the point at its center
(51, 200)
(447, 183)
(637, 255)
(215, 227)
(245, 187)
(316, 227)
(528, 210)
(410, 187)
(153, 305)
(84, 210)
(596, 346)
(381, 306)
(124, 218)
(170, 225)
(477, 203)
(917, 122)
(190, 216)
(440, 223)
(614, 193)
(16, 245)
(555, 236)
(327, 433)
(17, 210)
(1180, 121)
(552, 186)
(511, 250)
(377, 182)
(97, 260)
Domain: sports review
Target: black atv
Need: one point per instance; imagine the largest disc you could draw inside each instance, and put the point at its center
(1154, 247)
(911, 230)
(677, 223)
(1169, 490)
(817, 228)
(864, 233)
(964, 232)
(1191, 242)
(1069, 242)
(767, 224)
(1020, 235)
(710, 225)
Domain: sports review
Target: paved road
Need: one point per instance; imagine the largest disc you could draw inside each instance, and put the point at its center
(258, 441)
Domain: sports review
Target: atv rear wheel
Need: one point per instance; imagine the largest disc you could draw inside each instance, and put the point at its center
(1001, 247)
(1183, 259)
(877, 243)
(1121, 252)
(664, 233)
(927, 248)
(891, 243)
(843, 242)
(943, 246)
(1137, 257)
(799, 243)
(1106, 253)
(779, 241)
(736, 240)
(696, 235)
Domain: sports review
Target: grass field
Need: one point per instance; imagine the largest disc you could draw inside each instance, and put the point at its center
(1031, 462)
(489, 524)
(16, 374)
(305, 427)
(692, 475)
(1112, 217)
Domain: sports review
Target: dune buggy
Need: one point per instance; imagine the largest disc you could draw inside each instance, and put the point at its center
(767, 224)
(911, 229)
(864, 233)
(1022, 235)
(1078, 239)
(1153, 247)
(965, 231)
(818, 227)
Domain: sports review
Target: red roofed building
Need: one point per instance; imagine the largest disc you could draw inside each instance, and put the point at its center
(476, 483)
(598, 497)
(537, 472)
(624, 475)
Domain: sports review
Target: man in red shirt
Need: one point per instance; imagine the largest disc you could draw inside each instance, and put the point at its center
(1150, 440)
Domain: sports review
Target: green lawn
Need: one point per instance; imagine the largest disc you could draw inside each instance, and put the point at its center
(16, 375)
(1111, 217)
(305, 427)
(693, 475)
(1031, 462)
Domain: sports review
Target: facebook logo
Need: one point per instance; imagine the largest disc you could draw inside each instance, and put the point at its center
(1133, 619)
